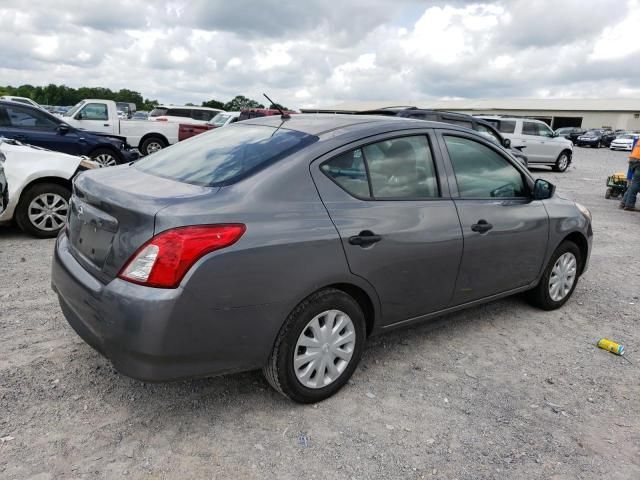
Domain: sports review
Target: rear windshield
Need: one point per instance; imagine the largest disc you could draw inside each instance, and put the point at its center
(226, 155)
(157, 112)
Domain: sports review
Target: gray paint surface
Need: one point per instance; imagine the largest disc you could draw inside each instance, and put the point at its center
(230, 306)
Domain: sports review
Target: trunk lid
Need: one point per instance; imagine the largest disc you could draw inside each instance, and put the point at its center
(112, 213)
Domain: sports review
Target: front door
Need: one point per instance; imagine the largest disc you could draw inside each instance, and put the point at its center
(34, 127)
(398, 226)
(505, 231)
(94, 117)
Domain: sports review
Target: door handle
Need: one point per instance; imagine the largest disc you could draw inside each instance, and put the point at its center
(106, 125)
(481, 227)
(365, 238)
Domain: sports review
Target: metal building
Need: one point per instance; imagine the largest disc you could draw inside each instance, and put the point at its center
(615, 113)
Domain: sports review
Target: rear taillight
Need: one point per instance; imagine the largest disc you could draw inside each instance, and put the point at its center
(164, 260)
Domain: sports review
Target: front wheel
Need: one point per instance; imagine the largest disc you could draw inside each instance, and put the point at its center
(42, 210)
(559, 279)
(318, 348)
(105, 157)
(562, 163)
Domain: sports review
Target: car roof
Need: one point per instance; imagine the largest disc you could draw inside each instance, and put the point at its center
(320, 123)
(192, 107)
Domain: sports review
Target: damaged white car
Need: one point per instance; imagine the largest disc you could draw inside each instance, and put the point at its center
(35, 186)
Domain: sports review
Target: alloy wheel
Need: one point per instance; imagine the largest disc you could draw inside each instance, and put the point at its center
(105, 160)
(563, 162)
(563, 276)
(153, 147)
(324, 349)
(48, 212)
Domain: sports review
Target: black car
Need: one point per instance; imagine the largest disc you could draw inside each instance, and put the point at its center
(596, 137)
(36, 127)
(570, 133)
(454, 118)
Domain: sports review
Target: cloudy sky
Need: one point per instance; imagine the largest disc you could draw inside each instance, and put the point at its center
(319, 52)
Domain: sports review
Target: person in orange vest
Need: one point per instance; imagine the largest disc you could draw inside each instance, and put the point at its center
(629, 200)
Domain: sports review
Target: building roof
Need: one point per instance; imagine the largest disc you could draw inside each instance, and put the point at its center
(551, 104)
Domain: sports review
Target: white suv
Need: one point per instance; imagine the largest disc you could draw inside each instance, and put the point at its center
(189, 115)
(542, 145)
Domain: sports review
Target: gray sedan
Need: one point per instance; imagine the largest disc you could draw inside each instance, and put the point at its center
(283, 243)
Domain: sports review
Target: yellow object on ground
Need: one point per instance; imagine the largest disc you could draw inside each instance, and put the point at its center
(611, 346)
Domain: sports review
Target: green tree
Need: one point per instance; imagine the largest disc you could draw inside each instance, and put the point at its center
(241, 102)
(275, 106)
(214, 104)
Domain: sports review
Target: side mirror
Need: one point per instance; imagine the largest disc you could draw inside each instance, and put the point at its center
(79, 116)
(63, 129)
(506, 143)
(543, 189)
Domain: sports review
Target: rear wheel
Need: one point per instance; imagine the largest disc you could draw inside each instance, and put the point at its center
(152, 145)
(559, 279)
(318, 348)
(608, 193)
(42, 210)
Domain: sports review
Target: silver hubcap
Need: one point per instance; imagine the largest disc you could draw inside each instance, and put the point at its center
(324, 349)
(153, 147)
(106, 160)
(48, 212)
(563, 276)
(562, 163)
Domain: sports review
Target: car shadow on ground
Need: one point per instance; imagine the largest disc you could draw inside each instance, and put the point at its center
(250, 388)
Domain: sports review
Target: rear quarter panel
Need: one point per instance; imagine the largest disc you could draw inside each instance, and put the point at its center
(134, 130)
(24, 165)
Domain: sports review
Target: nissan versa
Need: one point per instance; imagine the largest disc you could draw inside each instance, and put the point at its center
(283, 243)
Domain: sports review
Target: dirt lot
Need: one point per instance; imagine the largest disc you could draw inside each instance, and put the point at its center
(499, 391)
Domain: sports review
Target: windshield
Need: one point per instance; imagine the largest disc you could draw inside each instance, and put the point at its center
(626, 136)
(225, 155)
(72, 111)
(593, 133)
(220, 119)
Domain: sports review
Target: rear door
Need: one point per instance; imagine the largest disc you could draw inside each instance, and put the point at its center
(398, 225)
(505, 231)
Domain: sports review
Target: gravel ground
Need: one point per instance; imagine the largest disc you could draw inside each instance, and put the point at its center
(498, 391)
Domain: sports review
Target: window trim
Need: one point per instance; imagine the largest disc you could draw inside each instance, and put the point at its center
(526, 176)
(384, 138)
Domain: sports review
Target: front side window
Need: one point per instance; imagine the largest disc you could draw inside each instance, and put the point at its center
(204, 115)
(225, 155)
(29, 118)
(400, 168)
(544, 131)
(481, 172)
(530, 128)
(95, 111)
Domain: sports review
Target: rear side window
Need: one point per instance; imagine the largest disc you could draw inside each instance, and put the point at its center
(507, 126)
(225, 155)
(481, 172)
(179, 112)
(348, 171)
(399, 168)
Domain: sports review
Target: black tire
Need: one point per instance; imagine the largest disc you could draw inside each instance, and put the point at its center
(31, 193)
(152, 144)
(279, 370)
(106, 157)
(562, 165)
(540, 296)
(607, 194)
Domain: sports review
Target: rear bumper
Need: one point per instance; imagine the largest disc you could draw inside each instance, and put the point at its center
(157, 334)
